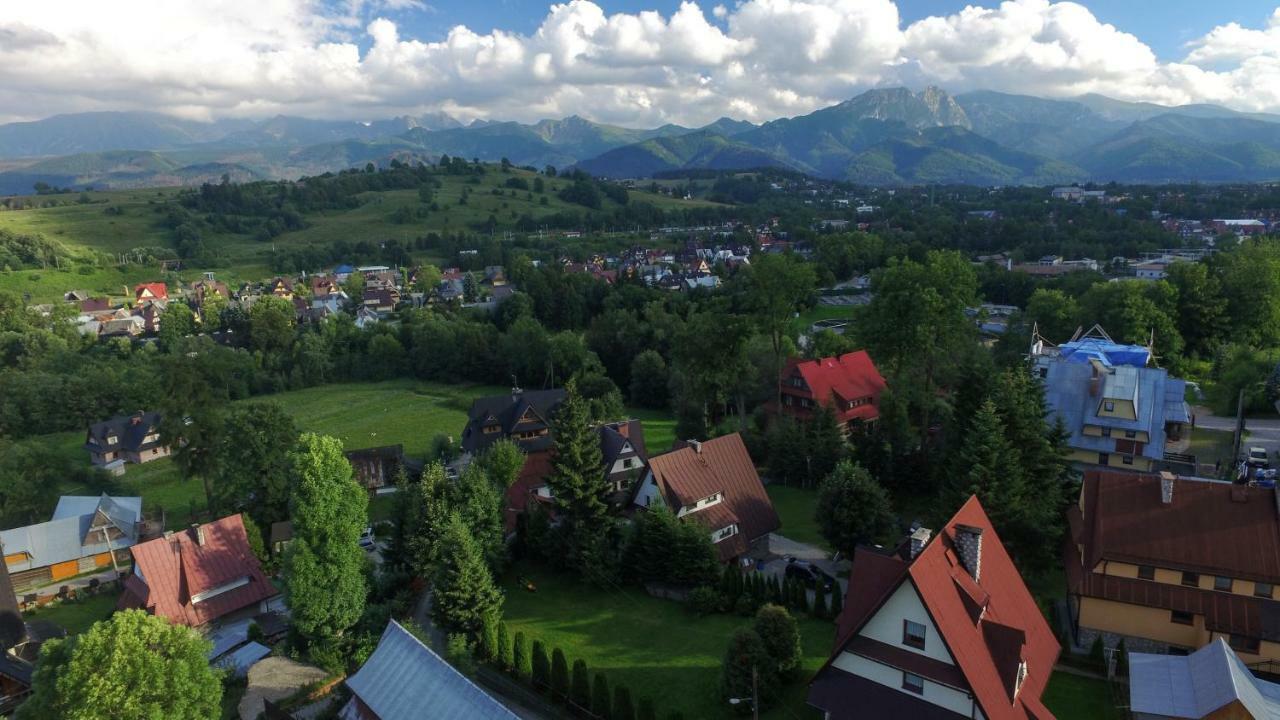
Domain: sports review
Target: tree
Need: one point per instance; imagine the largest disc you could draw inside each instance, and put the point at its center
(825, 444)
(987, 466)
(559, 676)
(1135, 313)
(133, 666)
(427, 278)
(1201, 314)
(250, 468)
(523, 666)
(271, 324)
(176, 322)
(747, 654)
(432, 514)
(664, 549)
(506, 655)
(480, 504)
(837, 602)
(460, 653)
(600, 706)
(463, 592)
(577, 480)
(646, 710)
(827, 344)
(852, 509)
(1250, 275)
(541, 677)
(489, 637)
(580, 694)
(781, 637)
(649, 378)
(1055, 314)
(324, 565)
(502, 463)
(622, 707)
(773, 286)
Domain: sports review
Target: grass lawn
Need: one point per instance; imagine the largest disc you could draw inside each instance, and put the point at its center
(77, 616)
(1211, 445)
(795, 507)
(659, 428)
(655, 647)
(820, 312)
(1071, 697)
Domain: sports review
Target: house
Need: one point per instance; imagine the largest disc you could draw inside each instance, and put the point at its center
(523, 416)
(127, 327)
(199, 575)
(403, 678)
(376, 468)
(1209, 683)
(849, 384)
(943, 628)
(1169, 564)
(342, 273)
(382, 301)
(150, 292)
(85, 533)
(1070, 194)
(204, 289)
(126, 438)
(713, 483)
(281, 288)
(366, 317)
(1246, 226)
(1118, 411)
(324, 286)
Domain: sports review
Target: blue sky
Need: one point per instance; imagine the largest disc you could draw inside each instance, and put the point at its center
(1164, 25)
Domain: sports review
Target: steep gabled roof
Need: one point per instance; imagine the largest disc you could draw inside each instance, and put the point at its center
(1197, 685)
(508, 411)
(169, 571)
(848, 377)
(989, 626)
(404, 679)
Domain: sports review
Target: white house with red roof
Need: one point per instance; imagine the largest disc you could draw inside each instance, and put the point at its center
(198, 575)
(849, 384)
(150, 292)
(942, 629)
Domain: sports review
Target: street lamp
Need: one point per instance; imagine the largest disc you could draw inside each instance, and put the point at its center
(754, 699)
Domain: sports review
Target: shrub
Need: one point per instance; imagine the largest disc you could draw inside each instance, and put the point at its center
(459, 653)
(523, 665)
(541, 674)
(506, 657)
(622, 707)
(600, 697)
(781, 637)
(1122, 659)
(704, 601)
(559, 675)
(580, 690)
(1098, 655)
(646, 711)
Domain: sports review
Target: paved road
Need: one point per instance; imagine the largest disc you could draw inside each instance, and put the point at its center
(1261, 432)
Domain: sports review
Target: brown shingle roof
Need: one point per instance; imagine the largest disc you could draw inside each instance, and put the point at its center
(1210, 528)
(722, 465)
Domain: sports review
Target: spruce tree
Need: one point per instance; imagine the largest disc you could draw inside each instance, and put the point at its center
(622, 707)
(825, 442)
(580, 691)
(577, 480)
(559, 676)
(989, 468)
(541, 675)
(463, 592)
(523, 666)
(853, 509)
(600, 702)
(506, 656)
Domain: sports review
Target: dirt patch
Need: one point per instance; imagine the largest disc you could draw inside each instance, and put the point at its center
(276, 678)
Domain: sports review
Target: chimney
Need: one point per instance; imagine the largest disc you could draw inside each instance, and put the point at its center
(969, 547)
(1166, 487)
(198, 530)
(919, 539)
(696, 445)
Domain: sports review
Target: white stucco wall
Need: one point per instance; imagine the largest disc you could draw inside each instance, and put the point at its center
(891, 677)
(648, 494)
(905, 604)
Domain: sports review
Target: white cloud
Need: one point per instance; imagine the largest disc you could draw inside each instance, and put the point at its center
(755, 59)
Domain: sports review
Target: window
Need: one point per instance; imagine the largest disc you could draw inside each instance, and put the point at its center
(1263, 590)
(913, 683)
(1106, 432)
(913, 634)
(1181, 618)
(1191, 579)
(1222, 583)
(1243, 644)
(1131, 434)
(112, 439)
(1109, 406)
(1126, 459)
(1146, 572)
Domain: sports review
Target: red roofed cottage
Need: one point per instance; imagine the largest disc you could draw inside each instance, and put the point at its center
(849, 384)
(198, 575)
(938, 630)
(150, 292)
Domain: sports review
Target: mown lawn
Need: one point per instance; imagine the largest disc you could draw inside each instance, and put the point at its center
(820, 312)
(1072, 697)
(659, 428)
(795, 508)
(77, 616)
(657, 648)
(1211, 445)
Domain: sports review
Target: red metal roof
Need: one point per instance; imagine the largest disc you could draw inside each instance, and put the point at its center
(852, 376)
(170, 570)
(987, 646)
(158, 290)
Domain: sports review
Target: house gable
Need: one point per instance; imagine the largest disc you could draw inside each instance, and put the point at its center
(886, 625)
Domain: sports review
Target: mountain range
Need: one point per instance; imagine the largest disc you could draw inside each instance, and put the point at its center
(889, 136)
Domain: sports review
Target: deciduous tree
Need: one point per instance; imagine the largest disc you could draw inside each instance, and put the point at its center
(852, 509)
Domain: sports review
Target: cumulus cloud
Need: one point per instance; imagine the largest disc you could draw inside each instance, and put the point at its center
(752, 59)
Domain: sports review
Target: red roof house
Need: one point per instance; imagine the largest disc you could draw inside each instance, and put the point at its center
(197, 575)
(850, 385)
(714, 483)
(944, 628)
(150, 292)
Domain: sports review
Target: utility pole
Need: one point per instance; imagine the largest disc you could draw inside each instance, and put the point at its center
(755, 693)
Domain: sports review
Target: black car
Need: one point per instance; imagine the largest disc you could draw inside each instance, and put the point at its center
(809, 574)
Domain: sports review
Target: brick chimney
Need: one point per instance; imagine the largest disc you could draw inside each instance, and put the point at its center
(919, 539)
(969, 547)
(1166, 487)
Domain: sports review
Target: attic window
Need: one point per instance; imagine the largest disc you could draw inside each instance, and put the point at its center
(224, 588)
(491, 429)
(1146, 572)
(1190, 579)
(913, 634)
(1109, 406)
(1263, 590)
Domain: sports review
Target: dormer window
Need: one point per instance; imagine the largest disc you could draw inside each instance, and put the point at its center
(112, 439)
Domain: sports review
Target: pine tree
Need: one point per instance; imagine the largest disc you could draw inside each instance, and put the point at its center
(580, 692)
(989, 468)
(463, 592)
(746, 652)
(1122, 659)
(541, 675)
(622, 707)
(523, 666)
(729, 585)
(600, 706)
(559, 675)
(489, 637)
(506, 656)
(645, 710)
(825, 442)
(577, 480)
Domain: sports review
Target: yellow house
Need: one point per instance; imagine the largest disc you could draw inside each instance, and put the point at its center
(1169, 564)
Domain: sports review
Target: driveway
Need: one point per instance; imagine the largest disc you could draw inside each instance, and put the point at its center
(1260, 432)
(781, 547)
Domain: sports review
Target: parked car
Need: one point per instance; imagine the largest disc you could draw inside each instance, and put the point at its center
(1258, 457)
(809, 574)
(367, 540)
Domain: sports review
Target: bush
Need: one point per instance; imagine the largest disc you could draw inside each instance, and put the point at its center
(781, 637)
(506, 656)
(704, 601)
(523, 666)
(580, 688)
(1098, 655)
(541, 673)
(1122, 659)
(600, 706)
(459, 653)
(622, 707)
(559, 675)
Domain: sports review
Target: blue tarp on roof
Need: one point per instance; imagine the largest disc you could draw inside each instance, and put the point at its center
(1104, 351)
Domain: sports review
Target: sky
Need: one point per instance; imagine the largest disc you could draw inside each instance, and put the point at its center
(638, 63)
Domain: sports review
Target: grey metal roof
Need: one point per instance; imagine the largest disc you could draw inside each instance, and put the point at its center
(403, 678)
(1121, 383)
(1195, 685)
(63, 538)
(124, 512)
(244, 658)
